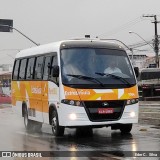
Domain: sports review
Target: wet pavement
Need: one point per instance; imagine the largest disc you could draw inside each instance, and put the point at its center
(13, 137)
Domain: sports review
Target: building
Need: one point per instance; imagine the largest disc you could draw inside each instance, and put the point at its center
(5, 79)
(5, 83)
(143, 60)
(139, 60)
(6, 67)
(150, 61)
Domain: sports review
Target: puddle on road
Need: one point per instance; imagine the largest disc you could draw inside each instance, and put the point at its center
(143, 129)
(156, 127)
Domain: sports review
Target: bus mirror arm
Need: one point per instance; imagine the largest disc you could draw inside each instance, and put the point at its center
(136, 70)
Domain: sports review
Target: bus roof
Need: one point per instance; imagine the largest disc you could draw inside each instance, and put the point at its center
(46, 48)
(56, 46)
(150, 73)
(151, 70)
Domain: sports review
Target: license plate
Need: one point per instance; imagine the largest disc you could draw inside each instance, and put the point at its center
(105, 110)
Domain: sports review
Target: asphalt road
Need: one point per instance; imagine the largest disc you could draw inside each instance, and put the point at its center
(13, 137)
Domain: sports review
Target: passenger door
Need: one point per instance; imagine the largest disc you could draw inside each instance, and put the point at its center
(34, 88)
(38, 88)
(46, 75)
(49, 87)
(54, 85)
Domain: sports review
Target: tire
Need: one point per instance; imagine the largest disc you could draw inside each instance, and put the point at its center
(57, 130)
(125, 128)
(31, 125)
(27, 123)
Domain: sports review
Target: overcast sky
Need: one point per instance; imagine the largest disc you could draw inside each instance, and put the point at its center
(47, 21)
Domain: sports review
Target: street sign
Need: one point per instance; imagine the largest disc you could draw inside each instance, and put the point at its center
(6, 25)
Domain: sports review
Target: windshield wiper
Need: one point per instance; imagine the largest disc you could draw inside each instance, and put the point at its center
(86, 78)
(115, 76)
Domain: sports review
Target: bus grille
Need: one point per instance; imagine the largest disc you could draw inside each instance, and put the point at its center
(92, 110)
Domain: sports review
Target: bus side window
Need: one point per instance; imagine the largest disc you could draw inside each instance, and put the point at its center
(30, 68)
(54, 63)
(47, 68)
(39, 68)
(16, 69)
(22, 69)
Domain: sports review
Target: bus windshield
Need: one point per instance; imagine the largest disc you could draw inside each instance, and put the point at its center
(96, 68)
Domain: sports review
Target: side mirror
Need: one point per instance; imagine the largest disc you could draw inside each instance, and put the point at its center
(55, 71)
(136, 70)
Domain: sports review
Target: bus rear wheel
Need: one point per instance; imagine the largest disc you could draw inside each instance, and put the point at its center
(57, 130)
(125, 128)
(31, 125)
(27, 123)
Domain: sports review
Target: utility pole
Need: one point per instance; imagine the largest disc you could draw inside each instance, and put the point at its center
(156, 40)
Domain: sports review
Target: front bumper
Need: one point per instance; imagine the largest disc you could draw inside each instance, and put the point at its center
(65, 111)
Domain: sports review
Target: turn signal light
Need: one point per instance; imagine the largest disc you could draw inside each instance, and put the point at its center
(72, 102)
(132, 101)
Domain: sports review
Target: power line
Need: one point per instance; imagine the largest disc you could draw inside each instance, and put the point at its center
(123, 27)
(141, 44)
(137, 45)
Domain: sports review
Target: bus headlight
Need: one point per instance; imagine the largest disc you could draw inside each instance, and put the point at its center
(132, 101)
(72, 102)
(72, 116)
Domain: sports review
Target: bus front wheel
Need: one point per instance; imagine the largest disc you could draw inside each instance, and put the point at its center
(125, 128)
(56, 129)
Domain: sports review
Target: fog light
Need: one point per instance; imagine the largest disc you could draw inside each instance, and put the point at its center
(72, 116)
(132, 114)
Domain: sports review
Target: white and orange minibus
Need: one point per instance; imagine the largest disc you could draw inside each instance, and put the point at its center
(83, 83)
